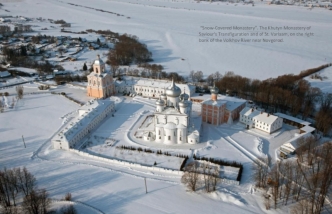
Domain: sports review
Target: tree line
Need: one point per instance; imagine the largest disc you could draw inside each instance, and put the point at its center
(305, 181)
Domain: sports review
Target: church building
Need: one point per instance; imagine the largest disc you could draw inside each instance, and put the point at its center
(172, 118)
(100, 82)
(221, 109)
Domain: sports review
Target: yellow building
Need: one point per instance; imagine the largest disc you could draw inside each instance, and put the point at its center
(100, 82)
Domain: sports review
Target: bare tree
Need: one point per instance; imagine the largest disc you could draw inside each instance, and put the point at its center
(191, 76)
(61, 50)
(274, 182)
(2, 106)
(5, 198)
(198, 76)
(302, 207)
(191, 176)
(37, 202)
(19, 90)
(260, 171)
(288, 173)
(27, 181)
(214, 178)
(206, 170)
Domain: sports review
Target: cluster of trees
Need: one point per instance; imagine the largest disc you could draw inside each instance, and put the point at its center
(70, 78)
(196, 76)
(19, 58)
(19, 28)
(128, 50)
(223, 163)
(151, 70)
(5, 29)
(306, 181)
(197, 175)
(19, 193)
(287, 93)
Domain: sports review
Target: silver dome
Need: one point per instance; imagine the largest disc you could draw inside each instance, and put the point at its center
(160, 102)
(173, 90)
(184, 96)
(183, 103)
(99, 61)
(163, 96)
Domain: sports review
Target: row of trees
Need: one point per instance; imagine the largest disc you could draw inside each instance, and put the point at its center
(70, 78)
(306, 181)
(197, 175)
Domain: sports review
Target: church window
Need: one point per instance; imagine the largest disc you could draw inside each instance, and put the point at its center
(180, 138)
(169, 137)
(159, 137)
(96, 70)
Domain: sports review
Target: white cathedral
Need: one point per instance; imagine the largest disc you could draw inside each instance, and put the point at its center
(172, 118)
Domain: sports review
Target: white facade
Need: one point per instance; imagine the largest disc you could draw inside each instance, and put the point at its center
(263, 121)
(149, 87)
(172, 118)
(88, 117)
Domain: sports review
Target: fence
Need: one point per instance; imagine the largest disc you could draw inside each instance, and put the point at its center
(159, 169)
(125, 163)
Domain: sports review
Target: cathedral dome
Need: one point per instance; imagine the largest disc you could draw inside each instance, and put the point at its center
(98, 61)
(184, 96)
(173, 90)
(160, 102)
(163, 96)
(183, 103)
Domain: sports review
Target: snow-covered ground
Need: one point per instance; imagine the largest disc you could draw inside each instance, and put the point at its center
(112, 189)
(171, 31)
(326, 83)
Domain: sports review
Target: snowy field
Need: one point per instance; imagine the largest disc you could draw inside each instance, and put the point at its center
(171, 31)
(76, 92)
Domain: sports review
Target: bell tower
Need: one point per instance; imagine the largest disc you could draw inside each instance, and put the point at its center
(98, 66)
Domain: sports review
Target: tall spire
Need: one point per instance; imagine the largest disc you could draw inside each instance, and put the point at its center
(172, 82)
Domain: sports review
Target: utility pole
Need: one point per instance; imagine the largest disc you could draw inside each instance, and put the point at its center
(146, 189)
(24, 142)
